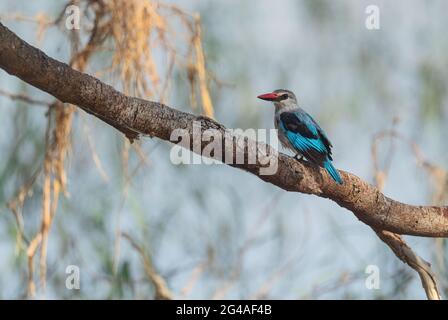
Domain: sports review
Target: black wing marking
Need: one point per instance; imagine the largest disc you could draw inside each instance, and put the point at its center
(304, 125)
(292, 123)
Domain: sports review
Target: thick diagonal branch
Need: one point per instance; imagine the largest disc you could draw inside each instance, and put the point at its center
(132, 115)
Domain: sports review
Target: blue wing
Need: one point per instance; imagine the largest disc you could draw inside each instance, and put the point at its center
(308, 138)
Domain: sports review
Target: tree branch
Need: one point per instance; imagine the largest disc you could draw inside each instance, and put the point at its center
(134, 116)
(408, 256)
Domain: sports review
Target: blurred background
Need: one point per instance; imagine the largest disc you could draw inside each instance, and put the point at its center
(124, 214)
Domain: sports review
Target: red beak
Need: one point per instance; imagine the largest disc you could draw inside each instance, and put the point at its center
(268, 96)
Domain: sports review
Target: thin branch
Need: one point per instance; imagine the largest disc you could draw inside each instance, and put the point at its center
(24, 98)
(408, 256)
(160, 286)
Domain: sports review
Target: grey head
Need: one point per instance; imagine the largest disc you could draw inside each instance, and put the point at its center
(283, 99)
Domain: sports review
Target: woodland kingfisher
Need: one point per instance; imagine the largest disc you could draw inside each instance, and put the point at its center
(299, 132)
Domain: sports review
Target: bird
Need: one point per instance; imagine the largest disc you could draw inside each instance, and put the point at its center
(299, 132)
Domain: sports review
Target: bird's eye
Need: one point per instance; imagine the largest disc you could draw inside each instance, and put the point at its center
(284, 96)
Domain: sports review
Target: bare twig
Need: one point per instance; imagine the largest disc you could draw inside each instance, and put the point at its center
(408, 256)
(194, 277)
(24, 98)
(162, 291)
(267, 211)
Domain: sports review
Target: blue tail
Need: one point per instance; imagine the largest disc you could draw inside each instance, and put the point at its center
(332, 172)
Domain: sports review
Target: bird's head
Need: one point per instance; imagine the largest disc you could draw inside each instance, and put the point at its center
(281, 98)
